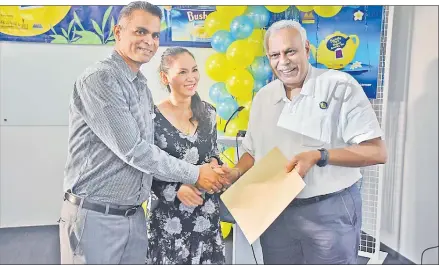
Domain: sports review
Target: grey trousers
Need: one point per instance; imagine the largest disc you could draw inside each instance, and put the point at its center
(89, 237)
(324, 232)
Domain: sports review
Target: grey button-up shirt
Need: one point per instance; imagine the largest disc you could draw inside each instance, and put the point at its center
(111, 153)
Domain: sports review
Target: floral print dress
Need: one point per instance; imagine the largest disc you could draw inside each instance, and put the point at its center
(179, 234)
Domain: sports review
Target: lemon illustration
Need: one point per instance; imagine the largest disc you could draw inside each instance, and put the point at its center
(199, 32)
(26, 21)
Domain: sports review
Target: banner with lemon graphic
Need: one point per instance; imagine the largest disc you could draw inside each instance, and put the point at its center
(346, 38)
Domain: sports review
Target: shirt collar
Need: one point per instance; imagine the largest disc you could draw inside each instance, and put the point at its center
(125, 69)
(308, 87)
(279, 92)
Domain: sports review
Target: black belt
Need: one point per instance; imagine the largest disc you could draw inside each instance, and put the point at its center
(311, 200)
(126, 211)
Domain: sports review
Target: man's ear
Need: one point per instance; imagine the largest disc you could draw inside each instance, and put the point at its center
(116, 31)
(307, 48)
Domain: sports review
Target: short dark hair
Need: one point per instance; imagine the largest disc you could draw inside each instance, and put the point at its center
(139, 5)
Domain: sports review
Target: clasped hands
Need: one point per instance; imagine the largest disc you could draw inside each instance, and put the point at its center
(213, 178)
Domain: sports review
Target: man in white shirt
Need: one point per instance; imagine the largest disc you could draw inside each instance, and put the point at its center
(324, 122)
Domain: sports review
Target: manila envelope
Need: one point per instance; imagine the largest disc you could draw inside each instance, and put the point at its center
(259, 196)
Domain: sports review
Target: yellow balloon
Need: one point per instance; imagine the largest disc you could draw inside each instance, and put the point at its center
(240, 83)
(230, 153)
(240, 53)
(232, 11)
(245, 103)
(244, 114)
(305, 8)
(214, 22)
(277, 9)
(236, 125)
(327, 11)
(217, 67)
(225, 229)
(246, 111)
(145, 207)
(257, 39)
(245, 96)
(228, 156)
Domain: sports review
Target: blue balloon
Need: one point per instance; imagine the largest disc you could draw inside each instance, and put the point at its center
(260, 68)
(218, 92)
(259, 15)
(221, 40)
(226, 108)
(259, 84)
(241, 27)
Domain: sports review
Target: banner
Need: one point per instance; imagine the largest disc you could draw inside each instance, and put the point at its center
(346, 38)
(58, 24)
(93, 24)
(349, 41)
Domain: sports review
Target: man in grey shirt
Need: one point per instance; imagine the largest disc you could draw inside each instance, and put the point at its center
(111, 154)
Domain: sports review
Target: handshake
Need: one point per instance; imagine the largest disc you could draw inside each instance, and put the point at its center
(214, 178)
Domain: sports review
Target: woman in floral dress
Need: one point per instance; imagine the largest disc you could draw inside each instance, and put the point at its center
(184, 227)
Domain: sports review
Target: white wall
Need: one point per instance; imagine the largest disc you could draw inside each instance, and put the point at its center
(419, 215)
(416, 217)
(38, 79)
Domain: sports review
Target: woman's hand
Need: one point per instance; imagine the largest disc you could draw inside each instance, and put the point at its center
(213, 162)
(189, 195)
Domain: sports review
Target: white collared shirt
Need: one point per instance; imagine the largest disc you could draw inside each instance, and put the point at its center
(331, 111)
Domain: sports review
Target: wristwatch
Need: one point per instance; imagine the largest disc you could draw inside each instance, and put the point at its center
(324, 156)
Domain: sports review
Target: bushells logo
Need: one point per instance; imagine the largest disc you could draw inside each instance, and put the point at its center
(197, 18)
(27, 21)
(196, 15)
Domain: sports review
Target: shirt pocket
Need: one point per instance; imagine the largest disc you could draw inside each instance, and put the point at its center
(312, 124)
(315, 131)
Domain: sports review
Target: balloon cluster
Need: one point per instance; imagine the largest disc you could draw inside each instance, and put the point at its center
(239, 65)
(323, 11)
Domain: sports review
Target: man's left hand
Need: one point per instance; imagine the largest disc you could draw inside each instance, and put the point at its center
(303, 162)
